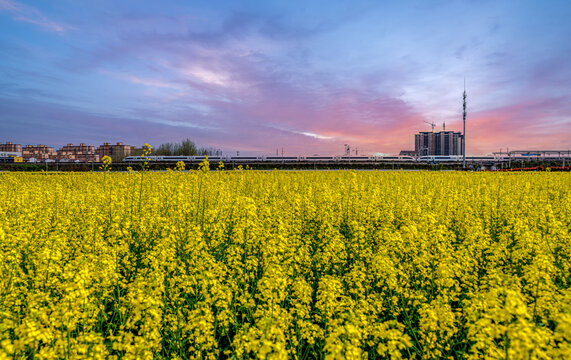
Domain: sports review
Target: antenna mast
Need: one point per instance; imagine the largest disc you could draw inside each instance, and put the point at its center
(464, 128)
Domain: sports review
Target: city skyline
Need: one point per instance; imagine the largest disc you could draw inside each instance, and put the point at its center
(256, 77)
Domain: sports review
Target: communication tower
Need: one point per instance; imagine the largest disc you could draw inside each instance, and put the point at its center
(464, 127)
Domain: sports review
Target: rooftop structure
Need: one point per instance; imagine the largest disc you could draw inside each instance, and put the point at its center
(408, 153)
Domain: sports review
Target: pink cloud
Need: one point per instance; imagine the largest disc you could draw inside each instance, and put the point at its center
(537, 124)
(380, 123)
(284, 117)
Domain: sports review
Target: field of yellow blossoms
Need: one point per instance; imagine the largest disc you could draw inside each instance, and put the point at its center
(285, 265)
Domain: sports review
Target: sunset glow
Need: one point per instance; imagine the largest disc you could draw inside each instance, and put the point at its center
(307, 77)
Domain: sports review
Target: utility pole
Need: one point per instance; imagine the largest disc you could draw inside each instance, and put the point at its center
(464, 128)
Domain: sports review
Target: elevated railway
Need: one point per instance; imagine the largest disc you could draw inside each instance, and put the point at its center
(495, 161)
(555, 159)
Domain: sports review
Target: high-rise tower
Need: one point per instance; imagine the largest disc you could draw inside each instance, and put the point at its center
(464, 128)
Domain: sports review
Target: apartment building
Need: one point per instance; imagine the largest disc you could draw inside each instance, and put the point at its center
(116, 151)
(38, 152)
(439, 143)
(81, 152)
(9, 147)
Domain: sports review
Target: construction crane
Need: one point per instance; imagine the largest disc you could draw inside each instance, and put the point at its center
(431, 124)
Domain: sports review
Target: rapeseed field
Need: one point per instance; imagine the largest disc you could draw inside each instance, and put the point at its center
(285, 265)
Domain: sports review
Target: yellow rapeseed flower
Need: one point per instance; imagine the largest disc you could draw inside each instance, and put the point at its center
(285, 265)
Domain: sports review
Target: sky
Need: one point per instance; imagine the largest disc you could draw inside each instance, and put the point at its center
(303, 76)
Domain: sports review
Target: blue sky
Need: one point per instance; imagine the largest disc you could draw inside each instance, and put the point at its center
(254, 76)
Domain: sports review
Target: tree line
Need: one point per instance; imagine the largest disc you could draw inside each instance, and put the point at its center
(185, 148)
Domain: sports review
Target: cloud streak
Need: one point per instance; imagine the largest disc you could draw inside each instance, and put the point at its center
(29, 14)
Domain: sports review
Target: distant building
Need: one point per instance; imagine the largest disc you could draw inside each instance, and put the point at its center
(81, 152)
(38, 152)
(10, 156)
(408, 153)
(9, 147)
(117, 152)
(439, 143)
